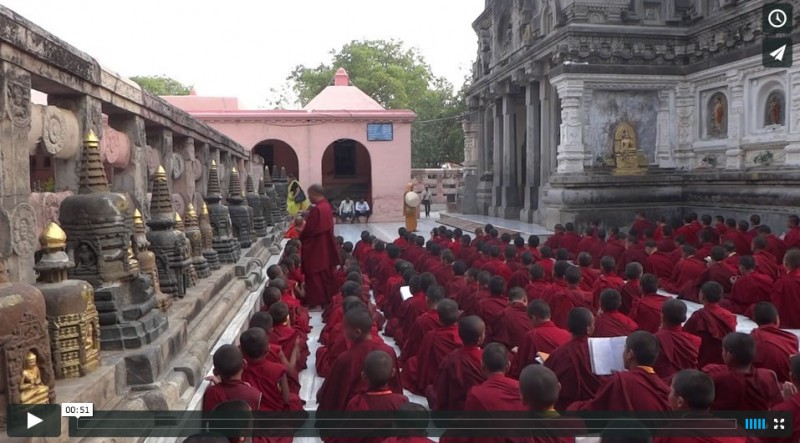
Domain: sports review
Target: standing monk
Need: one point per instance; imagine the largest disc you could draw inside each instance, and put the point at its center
(410, 208)
(320, 254)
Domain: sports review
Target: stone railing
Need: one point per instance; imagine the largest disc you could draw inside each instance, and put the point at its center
(444, 184)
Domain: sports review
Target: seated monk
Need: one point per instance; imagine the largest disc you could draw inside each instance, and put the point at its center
(631, 291)
(547, 262)
(491, 309)
(470, 288)
(544, 336)
(411, 425)
(514, 322)
(269, 297)
(606, 280)
(413, 308)
(679, 349)
(750, 288)
(460, 370)
(425, 323)
(707, 243)
(540, 390)
(459, 281)
(349, 289)
(275, 353)
(739, 385)
(421, 370)
(775, 246)
(765, 261)
(590, 274)
(395, 323)
(638, 388)
(563, 301)
(791, 400)
(538, 286)
(559, 272)
(609, 321)
(659, 262)
(394, 302)
(326, 355)
(498, 392)
(345, 380)
(522, 276)
(711, 323)
(786, 291)
(270, 378)
(685, 272)
(571, 363)
(717, 271)
(471, 300)
(647, 312)
(286, 336)
(298, 314)
(773, 346)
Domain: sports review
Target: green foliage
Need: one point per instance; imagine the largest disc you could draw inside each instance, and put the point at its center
(162, 85)
(398, 78)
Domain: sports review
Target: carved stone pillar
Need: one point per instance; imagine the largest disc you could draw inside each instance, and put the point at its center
(664, 139)
(546, 147)
(182, 172)
(533, 148)
(510, 190)
(734, 156)
(134, 179)
(161, 140)
(497, 160)
(685, 110)
(17, 216)
(571, 151)
(792, 149)
(88, 111)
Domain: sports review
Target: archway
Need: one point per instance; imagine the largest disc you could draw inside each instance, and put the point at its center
(278, 153)
(347, 171)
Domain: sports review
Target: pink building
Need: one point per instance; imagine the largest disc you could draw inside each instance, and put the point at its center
(343, 139)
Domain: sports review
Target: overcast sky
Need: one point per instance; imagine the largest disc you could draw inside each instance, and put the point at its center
(243, 48)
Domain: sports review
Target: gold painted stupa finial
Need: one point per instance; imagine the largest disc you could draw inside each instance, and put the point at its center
(161, 174)
(178, 218)
(137, 218)
(190, 210)
(204, 209)
(213, 164)
(91, 140)
(53, 237)
(233, 169)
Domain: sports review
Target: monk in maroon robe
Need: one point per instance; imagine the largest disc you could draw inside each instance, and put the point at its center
(522, 276)
(275, 353)
(786, 291)
(460, 370)
(637, 389)
(634, 253)
(544, 336)
(539, 389)
(571, 364)
(345, 381)
(659, 262)
(647, 311)
(319, 250)
(421, 369)
(491, 309)
(791, 402)
(686, 272)
(498, 392)
(268, 377)
(514, 322)
(459, 281)
(765, 261)
(607, 280)
(554, 241)
(590, 274)
(429, 321)
(752, 287)
(563, 301)
(286, 336)
(792, 237)
(631, 291)
(711, 323)
(740, 386)
(228, 368)
(773, 346)
(679, 349)
(615, 247)
(717, 271)
(538, 286)
(609, 322)
(351, 290)
(570, 240)
(471, 300)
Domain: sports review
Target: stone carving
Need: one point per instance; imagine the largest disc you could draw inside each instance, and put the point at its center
(71, 313)
(23, 230)
(115, 148)
(774, 113)
(197, 169)
(629, 161)
(282, 188)
(31, 388)
(207, 232)
(240, 215)
(18, 99)
(46, 206)
(178, 166)
(147, 261)
(178, 204)
(153, 161)
(254, 201)
(60, 132)
(195, 236)
(717, 116)
(685, 125)
(184, 246)
(226, 246)
(267, 205)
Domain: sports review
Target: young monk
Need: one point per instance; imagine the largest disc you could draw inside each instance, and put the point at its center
(773, 346)
(460, 370)
(679, 349)
(414, 307)
(498, 392)
(286, 336)
(459, 281)
(421, 370)
(544, 336)
(268, 377)
(765, 261)
(659, 262)
(538, 286)
(786, 291)
(471, 300)
(345, 379)
(563, 301)
(717, 271)
(637, 389)
(429, 321)
(631, 291)
(740, 386)
(326, 355)
(589, 274)
(514, 322)
(647, 312)
(686, 271)
(606, 280)
(711, 323)
(750, 288)
(275, 353)
(522, 275)
(412, 424)
(610, 322)
(791, 400)
(540, 390)
(298, 314)
(570, 361)
(349, 289)
(491, 309)
(228, 367)
(394, 327)
(379, 370)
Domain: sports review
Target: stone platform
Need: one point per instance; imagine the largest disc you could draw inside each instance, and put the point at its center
(469, 222)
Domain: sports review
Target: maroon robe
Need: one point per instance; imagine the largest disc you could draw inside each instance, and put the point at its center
(640, 226)
(675, 431)
(497, 393)
(776, 247)
(420, 370)
(605, 281)
(537, 290)
(345, 379)
(614, 248)
(635, 253)
(491, 311)
(588, 244)
(739, 239)
(378, 400)
(547, 264)
(265, 376)
(320, 253)
(704, 251)
(660, 264)
(647, 312)
(570, 242)
(455, 286)
(231, 390)
(679, 351)
(543, 338)
(408, 440)
(773, 349)
(711, 323)
(613, 324)
(631, 292)
(471, 301)
(458, 372)
(590, 275)
(791, 405)
(786, 297)
(571, 364)
(755, 390)
(274, 355)
(792, 238)
(513, 325)
(689, 233)
(426, 322)
(409, 311)
(717, 272)
(285, 337)
(639, 389)
(767, 265)
(685, 273)
(747, 291)
(520, 278)
(564, 301)
(326, 355)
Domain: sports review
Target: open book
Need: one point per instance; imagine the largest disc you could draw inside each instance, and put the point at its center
(405, 292)
(606, 354)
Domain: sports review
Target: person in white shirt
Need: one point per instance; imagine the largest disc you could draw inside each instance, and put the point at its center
(347, 210)
(362, 210)
(426, 201)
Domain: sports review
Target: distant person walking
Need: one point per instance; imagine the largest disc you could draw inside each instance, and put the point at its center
(319, 250)
(426, 201)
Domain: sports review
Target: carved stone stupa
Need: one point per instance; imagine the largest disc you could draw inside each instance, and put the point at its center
(240, 215)
(282, 187)
(266, 203)
(223, 242)
(254, 201)
(180, 226)
(192, 231)
(173, 258)
(207, 232)
(272, 194)
(147, 260)
(100, 239)
(71, 314)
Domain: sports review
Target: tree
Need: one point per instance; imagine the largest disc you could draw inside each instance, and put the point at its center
(162, 85)
(398, 78)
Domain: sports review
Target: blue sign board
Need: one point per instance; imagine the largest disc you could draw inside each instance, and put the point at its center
(380, 132)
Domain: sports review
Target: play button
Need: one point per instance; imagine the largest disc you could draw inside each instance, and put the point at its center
(33, 420)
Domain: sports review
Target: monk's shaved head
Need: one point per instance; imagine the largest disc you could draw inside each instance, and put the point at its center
(471, 330)
(254, 343)
(580, 321)
(644, 347)
(378, 369)
(739, 349)
(517, 294)
(261, 320)
(633, 271)
(414, 417)
(434, 295)
(495, 358)
(573, 275)
(711, 291)
(607, 264)
(351, 289)
(539, 309)
(673, 312)
(270, 296)
(694, 388)
(610, 300)
(649, 283)
(358, 320)
(279, 312)
(352, 302)
(765, 313)
(560, 269)
(792, 259)
(448, 312)
(538, 387)
(278, 283)
(537, 272)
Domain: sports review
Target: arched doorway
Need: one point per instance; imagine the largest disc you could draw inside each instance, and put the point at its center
(347, 171)
(278, 153)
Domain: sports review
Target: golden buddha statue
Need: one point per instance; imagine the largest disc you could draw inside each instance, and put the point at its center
(629, 160)
(31, 388)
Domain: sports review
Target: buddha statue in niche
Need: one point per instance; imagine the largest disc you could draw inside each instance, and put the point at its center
(31, 388)
(629, 160)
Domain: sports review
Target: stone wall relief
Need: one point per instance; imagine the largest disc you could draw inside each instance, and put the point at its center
(18, 98)
(715, 121)
(178, 165)
(23, 230)
(775, 109)
(115, 146)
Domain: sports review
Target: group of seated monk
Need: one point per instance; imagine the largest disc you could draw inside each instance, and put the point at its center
(498, 323)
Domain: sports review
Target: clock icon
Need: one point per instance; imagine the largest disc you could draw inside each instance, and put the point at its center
(777, 18)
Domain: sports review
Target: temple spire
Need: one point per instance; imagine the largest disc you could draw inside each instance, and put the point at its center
(161, 210)
(93, 174)
(249, 185)
(235, 186)
(213, 182)
(191, 217)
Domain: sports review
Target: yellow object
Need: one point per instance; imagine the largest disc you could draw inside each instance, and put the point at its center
(161, 174)
(409, 212)
(53, 237)
(31, 388)
(91, 140)
(292, 207)
(204, 209)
